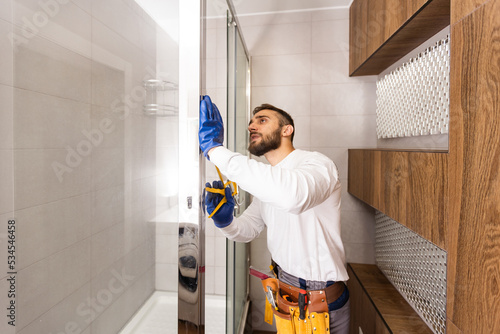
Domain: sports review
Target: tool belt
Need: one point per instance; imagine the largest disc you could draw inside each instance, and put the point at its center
(286, 308)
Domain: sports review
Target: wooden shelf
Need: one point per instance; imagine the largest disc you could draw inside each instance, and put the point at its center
(382, 32)
(408, 186)
(376, 305)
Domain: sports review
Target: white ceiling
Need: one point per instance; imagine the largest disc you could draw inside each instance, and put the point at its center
(248, 7)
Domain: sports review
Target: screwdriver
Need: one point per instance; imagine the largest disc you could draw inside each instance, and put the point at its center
(302, 304)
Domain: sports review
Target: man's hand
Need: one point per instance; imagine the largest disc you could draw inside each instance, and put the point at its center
(211, 131)
(224, 215)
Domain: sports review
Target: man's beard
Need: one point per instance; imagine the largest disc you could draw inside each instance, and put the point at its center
(268, 143)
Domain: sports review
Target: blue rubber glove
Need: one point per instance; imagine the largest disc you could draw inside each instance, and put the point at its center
(224, 216)
(211, 132)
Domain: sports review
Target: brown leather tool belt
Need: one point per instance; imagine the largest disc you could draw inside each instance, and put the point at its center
(318, 300)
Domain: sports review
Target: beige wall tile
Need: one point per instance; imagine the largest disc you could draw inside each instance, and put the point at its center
(166, 249)
(107, 167)
(6, 117)
(330, 14)
(302, 138)
(360, 253)
(343, 131)
(296, 100)
(36, 181)
(278, 39)
(6, 10)
(273, 18)
(333, 67)
(46, 229)
(73, 314)
(108, 86)
(86, 5)
(330, 36)
(107, 247)
(343, 99)
(46, 121)
(48, 68)
(165, 275)
(6, 181)
(108, 207)
(60, 21)
(358, 227)
(148, 35)
(113, 282)
(116, 315)
(114, 14)
(281, 70)
(108, 128)
(57, 277)
(6, 53)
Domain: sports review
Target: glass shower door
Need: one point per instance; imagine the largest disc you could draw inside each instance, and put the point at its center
(238, 115)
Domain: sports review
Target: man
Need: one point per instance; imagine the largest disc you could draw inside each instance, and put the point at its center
(296, 195)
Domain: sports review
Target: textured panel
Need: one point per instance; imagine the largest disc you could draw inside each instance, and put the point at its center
(413, 100)
(416, 267)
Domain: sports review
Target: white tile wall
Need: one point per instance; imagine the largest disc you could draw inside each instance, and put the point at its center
(332, 112)
(79, 237)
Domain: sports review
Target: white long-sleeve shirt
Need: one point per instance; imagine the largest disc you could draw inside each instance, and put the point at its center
(299, 201)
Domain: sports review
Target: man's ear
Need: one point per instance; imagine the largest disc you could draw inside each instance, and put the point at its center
(287, 130)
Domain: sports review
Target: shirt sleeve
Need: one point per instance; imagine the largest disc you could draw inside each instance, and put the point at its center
(246, 227)
(293, 190)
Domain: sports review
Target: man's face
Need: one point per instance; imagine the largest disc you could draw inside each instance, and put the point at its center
(265, 132)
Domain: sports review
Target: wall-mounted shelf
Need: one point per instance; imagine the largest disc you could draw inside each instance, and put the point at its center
(382, 32)
(408, 186)
(377, 307)
(161, 98)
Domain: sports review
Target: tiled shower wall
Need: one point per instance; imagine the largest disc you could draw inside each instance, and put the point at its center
(78, 162)
(300, 64)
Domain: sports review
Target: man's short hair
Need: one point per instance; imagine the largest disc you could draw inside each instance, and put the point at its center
(283, 116)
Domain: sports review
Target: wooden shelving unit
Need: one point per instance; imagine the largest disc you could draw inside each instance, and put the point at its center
(381, 32)
(450, 198)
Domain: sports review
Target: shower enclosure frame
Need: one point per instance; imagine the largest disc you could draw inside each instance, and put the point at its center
(192, 69)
